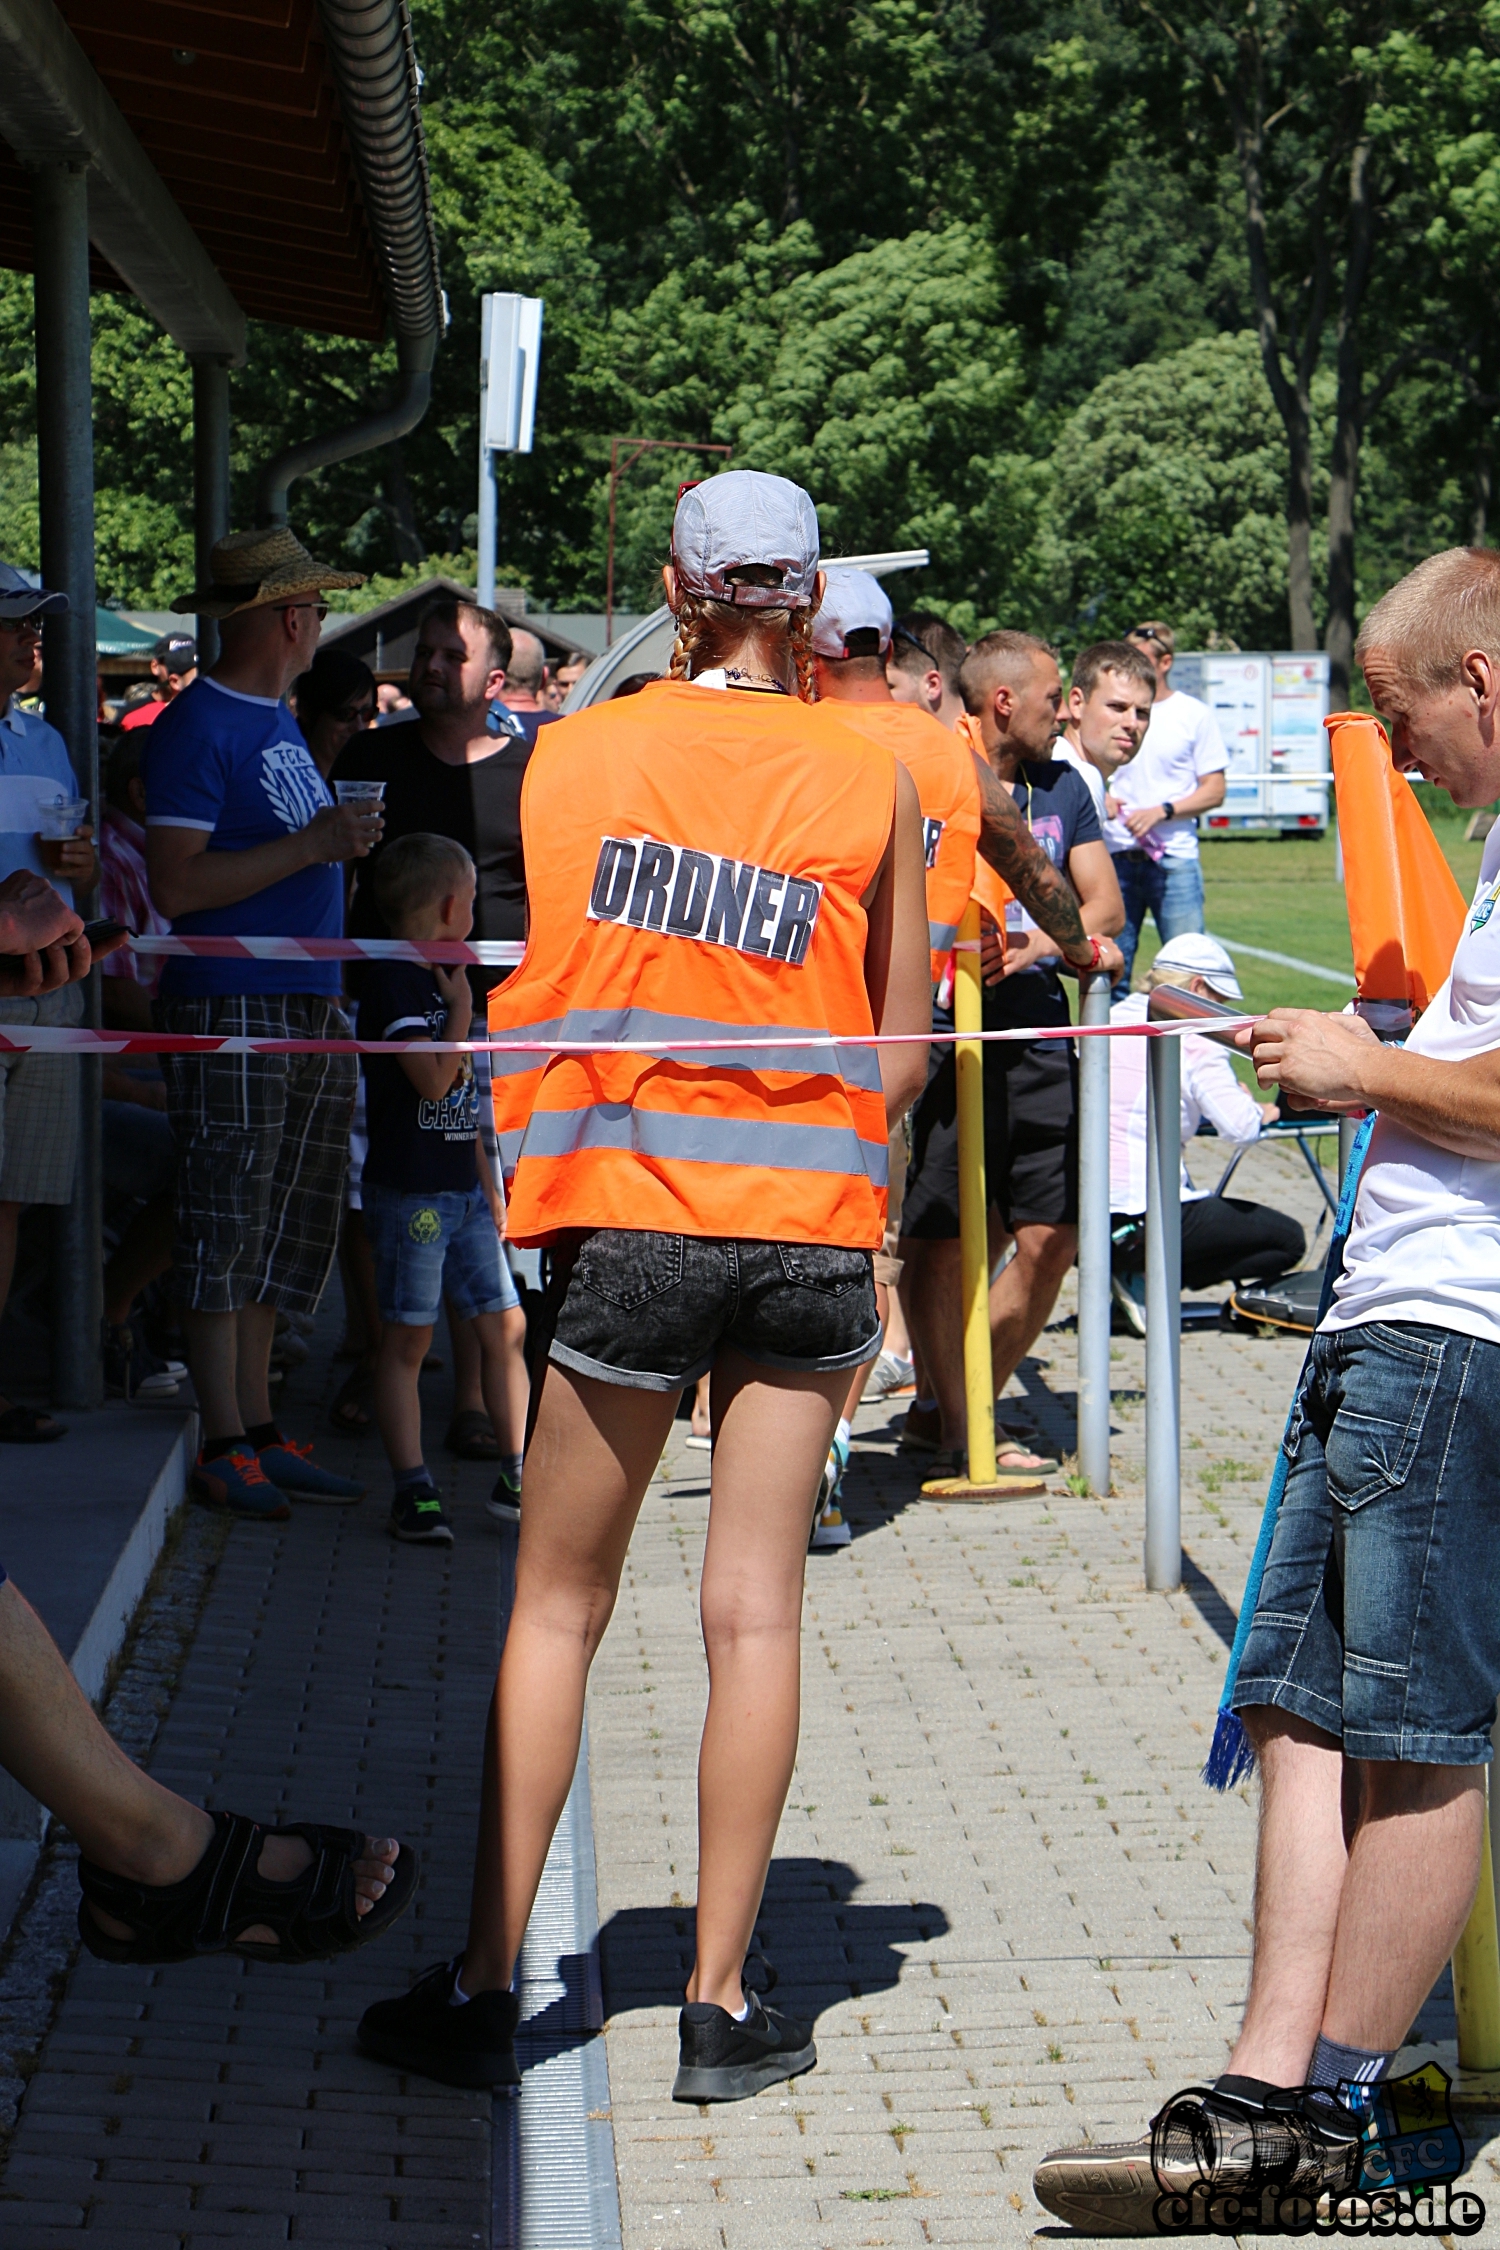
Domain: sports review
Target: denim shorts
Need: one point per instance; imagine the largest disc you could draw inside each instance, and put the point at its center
(428, 1247)
(651, 1311)
(1379, 1613)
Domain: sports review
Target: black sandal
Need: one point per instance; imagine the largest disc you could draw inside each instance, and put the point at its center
(471, 1436)
(313, 1914)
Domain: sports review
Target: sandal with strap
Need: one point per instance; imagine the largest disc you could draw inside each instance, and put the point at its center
(313, 1914)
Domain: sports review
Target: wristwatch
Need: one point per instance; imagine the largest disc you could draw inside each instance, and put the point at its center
(1168, 810)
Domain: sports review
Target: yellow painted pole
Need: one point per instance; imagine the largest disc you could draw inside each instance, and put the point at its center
(973, 1205)
(983, 1481)
(1476, 1975)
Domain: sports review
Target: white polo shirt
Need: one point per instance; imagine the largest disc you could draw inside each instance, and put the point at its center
(1425, 1244)
(1182, 746)
(1210, 1090)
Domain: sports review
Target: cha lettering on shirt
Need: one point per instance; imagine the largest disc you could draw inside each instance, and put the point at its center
(932, 836)
(759, 911)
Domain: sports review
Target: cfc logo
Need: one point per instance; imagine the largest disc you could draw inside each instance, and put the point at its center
(702, 895)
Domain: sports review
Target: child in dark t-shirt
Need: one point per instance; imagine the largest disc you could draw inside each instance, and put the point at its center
(431, 1204)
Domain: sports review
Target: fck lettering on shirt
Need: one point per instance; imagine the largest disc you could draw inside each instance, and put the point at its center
(691, 894)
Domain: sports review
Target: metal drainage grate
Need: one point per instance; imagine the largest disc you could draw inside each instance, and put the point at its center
(554, 2145)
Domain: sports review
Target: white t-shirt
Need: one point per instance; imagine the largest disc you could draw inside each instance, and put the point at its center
(1182, 746)
(1065, 753)
(1209, 1089)
(1425, 1244)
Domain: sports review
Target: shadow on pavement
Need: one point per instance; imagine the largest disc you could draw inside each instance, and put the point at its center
(825, 1945)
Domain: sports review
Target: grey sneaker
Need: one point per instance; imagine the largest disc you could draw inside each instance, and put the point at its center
(890, 1374)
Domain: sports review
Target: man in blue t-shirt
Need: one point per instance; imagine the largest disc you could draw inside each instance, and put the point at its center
(244, 840)
(1012, 692)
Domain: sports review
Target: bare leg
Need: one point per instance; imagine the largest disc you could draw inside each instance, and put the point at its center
(210, 1342)
(752, 1630)
(501, 1337)
(357, 1272)
(849, 1406)
(255, 1333)
(398, 1404)
(52, 1742)
(1024, 1293)
(145, 1251)
(936, 1316)
(468, 1388)
(702, 1422)
(592, 1455)
(1413, 1870)
(1299, 1875)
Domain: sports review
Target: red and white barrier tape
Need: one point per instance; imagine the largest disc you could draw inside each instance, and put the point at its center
(58, 1039)
(477, 953)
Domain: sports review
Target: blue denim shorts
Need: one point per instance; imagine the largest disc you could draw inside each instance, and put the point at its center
(427, 1247)
(1379, 1613)
(651, 1311)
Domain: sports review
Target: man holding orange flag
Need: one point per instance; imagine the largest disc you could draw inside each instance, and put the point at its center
(1367, 1681)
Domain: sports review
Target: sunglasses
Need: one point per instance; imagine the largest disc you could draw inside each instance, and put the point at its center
(1145, 633)
(321, 608)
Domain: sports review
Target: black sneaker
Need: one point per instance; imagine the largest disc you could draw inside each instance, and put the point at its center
(504, 1503)
(417, 1517)
(471, 2045)
(720, 2060)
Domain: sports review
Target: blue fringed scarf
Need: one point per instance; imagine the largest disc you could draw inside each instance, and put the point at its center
(1230, 1756)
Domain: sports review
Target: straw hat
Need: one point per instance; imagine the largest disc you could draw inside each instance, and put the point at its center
(256, 570)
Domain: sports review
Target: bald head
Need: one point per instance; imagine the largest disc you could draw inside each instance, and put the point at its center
(1430, 650)
(526, 672)
(1011, 686)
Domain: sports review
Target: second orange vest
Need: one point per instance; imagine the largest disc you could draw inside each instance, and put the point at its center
(940, 765)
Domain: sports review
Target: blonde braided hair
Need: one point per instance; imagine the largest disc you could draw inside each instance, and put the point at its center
(710, 633)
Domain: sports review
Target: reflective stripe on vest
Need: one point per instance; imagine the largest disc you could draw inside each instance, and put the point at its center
(697, 1140)
(858, 1066)
(942, 937)
(750, 828)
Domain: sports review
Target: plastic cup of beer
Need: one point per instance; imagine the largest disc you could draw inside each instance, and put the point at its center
(366, 793)
(57, 824)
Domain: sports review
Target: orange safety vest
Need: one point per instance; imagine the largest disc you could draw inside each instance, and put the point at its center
(695, 860)
(940, 765)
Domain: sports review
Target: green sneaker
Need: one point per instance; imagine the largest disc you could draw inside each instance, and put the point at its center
(417, 1516)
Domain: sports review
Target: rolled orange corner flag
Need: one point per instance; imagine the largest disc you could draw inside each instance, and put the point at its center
(1406, 912)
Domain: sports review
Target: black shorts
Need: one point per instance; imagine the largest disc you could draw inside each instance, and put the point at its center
(1030, 1140)
(651, 1311)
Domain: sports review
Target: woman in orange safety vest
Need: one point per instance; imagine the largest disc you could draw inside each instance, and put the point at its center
(714, 867)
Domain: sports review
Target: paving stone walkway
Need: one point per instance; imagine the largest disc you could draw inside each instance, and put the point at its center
(999, 1886)
(1017, 1916)
(331, 1675)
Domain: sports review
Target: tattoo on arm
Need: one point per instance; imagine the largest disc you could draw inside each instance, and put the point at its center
(1016, 856)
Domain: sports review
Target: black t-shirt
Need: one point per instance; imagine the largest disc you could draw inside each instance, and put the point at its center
(417, 1146)
(478, 805)
(1055, 803)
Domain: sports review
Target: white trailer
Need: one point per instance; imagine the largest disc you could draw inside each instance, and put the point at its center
(1270, 710)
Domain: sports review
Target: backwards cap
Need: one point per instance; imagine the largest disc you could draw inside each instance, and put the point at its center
(743, 517)
(853, 602)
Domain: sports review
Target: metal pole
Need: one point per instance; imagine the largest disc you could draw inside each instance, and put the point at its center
(489, 519)
(1093, 1240)
(65, 483)
(210, 480)
(973, 1213)
(1163, 1313)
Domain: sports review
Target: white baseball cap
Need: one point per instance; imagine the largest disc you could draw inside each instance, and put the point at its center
(739, 518)
(853, 602)
(1204, 957)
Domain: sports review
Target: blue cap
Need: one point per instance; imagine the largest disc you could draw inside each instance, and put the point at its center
(21, 596)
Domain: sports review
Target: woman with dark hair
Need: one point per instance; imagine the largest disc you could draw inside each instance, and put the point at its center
(333, 699)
